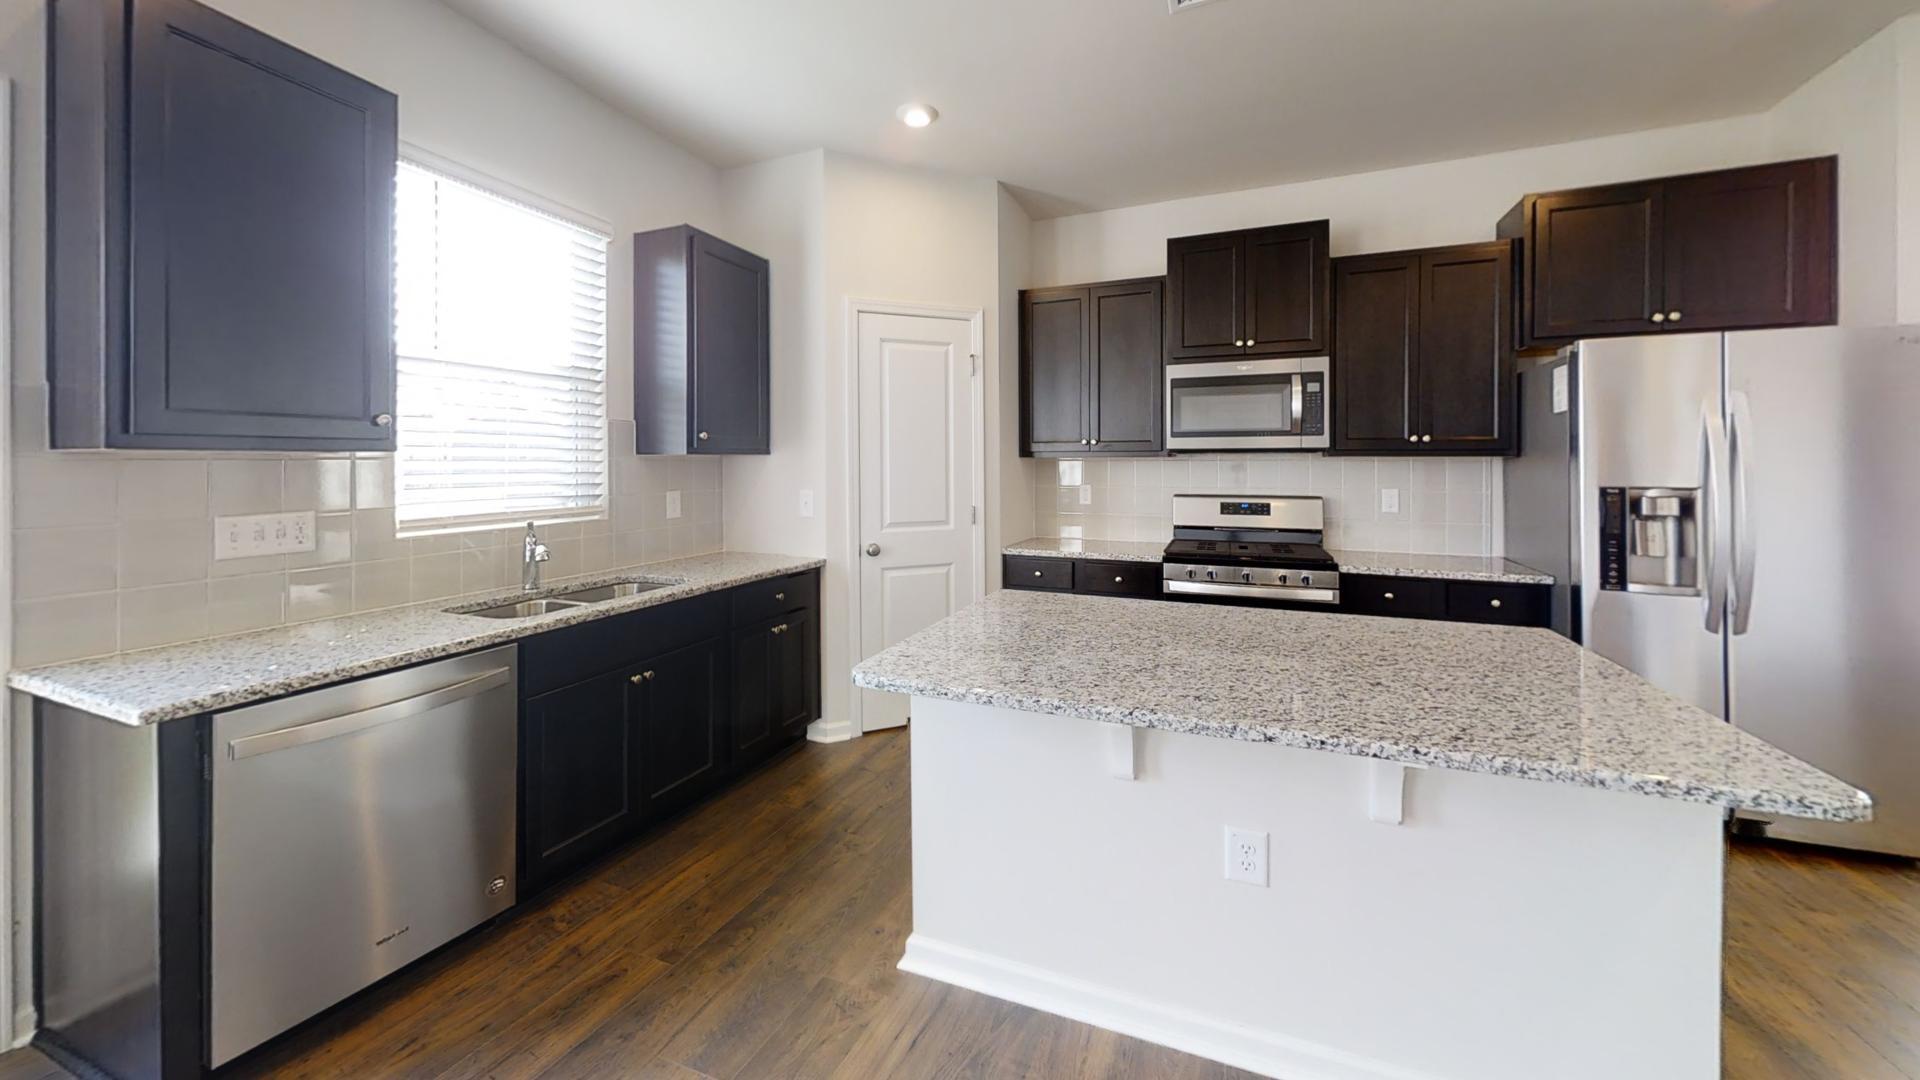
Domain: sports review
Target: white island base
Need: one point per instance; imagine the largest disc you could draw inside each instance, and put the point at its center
(1503, 928)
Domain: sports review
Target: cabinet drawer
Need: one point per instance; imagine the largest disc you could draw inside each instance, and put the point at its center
(765, 599)
(1118, 578)
(1410, 598)
(568, 655)
(1024, 572)
(1514, 605)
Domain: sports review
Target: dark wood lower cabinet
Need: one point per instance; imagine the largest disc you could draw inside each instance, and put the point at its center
(676, 704)
(579, 762)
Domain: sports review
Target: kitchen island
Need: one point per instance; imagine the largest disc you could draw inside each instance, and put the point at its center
(1479, 851)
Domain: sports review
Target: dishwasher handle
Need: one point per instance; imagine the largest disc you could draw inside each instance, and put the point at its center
(348, 723)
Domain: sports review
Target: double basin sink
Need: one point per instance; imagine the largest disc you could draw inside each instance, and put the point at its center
(566, 601)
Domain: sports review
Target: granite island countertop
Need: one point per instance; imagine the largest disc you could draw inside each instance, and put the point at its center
(174, 681)
(1507, 701)
(1381, 563)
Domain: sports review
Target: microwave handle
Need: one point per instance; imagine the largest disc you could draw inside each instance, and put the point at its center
(1299, 399)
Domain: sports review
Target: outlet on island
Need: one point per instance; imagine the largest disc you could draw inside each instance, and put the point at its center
(1247, 856)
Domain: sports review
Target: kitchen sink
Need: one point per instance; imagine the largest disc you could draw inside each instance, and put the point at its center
(600, 594)
(525, 609)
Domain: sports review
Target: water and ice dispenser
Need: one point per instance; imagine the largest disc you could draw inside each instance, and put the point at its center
(1650, 540)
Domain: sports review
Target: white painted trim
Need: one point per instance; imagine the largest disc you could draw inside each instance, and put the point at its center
(1188, 1032)
(976, 318)
(831, 731)
(1387, 791)
(16, 1016)
(1123, 751)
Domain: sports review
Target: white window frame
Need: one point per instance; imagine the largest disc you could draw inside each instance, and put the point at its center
(492, 185)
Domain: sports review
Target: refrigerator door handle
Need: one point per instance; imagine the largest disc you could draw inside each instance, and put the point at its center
(1739, 438)
(1715, 517)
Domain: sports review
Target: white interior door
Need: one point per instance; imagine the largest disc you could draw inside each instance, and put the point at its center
(919, 556)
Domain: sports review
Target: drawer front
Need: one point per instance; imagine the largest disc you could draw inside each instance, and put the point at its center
(1118, 578)
(1513, 605)
(568, 655)
(1410, 598)
(1025, 572)
(765, 599)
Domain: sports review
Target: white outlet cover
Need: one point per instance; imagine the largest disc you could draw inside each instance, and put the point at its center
(1086, 494)
(1246, 856)
(806, 503)
(1389, 500)
(253, 535)
(673, 505)
(1561, 391)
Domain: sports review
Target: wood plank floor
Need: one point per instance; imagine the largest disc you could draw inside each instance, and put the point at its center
(756, 937)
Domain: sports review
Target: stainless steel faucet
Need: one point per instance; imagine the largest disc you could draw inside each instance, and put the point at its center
(536, 553)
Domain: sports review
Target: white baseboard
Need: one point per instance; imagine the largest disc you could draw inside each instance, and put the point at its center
(25, 1023)
(826, 731)
(1264, 1052)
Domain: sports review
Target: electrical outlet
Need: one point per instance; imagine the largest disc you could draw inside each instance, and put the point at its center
(253, 535)
(1086, 494)
(806, 503)
(1247, 856)
(673, 505)
(1389, 500)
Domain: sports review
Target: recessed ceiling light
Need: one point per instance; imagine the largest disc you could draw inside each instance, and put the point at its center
(917, 116)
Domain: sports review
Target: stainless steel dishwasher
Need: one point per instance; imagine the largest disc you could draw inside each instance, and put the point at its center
(355, 829)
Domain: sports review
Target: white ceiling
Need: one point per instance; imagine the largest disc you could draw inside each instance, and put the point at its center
(1090, 104)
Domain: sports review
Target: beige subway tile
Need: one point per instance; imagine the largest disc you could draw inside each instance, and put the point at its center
(164, 552)
(381, 584)
(332, 543)
(563, 561)
(373, 483)
(654, 545)
(237, 605)
(65, 628)
(322, 593)
(54, 490)
(481, 570)
(64, 562)
(324, 485)
(597, 553)
(29, 405)
(162, 615)
(162, 490)
(257, 564)
(244, 486)
(374, 537)
(435, 576)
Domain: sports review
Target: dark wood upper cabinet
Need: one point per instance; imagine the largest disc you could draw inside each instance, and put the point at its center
(1258, 292)
(1091, 372)
(1423, 351)
(220, 237)
(1724, 250)
(702, 345)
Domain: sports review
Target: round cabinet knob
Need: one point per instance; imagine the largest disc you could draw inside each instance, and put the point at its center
(1659, 316)
(873, 549)
(1239, 344)
(1037, 573)
(1426, 438)
(1413, 438)
(1673, 316)
(1118, 579)
(779, 596)
(1389, 596)
(1085, 442)
(643, 677)
(1495, 603)
(703, 436)
(385, 419)
(1095, 442)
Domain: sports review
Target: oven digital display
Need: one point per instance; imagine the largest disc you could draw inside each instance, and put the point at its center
(1247, 509)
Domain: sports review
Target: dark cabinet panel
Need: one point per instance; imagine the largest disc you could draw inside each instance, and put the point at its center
(701, 345)
(1286, 305)
(775, 683)
(1206, 291)
(1751, 247)
(1498, 602)
(1465, 391)
(1376, 338)
(796, 675)
(1724, 250)
(1127, 372)
(1117, 578)
(1054, 353)
(675, 702)
(1407, 598)
(220, 237)
(1423, 351)
(580, 763)
(1091, 374)
(1043, 574)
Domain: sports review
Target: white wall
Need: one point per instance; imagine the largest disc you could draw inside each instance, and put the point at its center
(1907, 84)
(1010, 505)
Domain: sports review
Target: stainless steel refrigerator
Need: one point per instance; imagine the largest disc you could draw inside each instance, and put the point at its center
(1736, 517)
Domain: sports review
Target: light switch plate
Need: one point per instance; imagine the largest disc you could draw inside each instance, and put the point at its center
(806, 503)
(1086, 494)
(1389, 500)
(1560, 389)
(673, 505)
(253, 535)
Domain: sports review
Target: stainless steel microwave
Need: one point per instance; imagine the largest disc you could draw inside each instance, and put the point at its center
(1276, 404)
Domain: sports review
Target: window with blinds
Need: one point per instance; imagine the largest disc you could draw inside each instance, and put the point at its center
(501, 329)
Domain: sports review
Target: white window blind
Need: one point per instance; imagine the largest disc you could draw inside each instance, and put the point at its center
(501, 321)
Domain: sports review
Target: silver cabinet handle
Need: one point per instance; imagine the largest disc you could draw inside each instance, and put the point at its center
(873, 549)
(1495, 603)
(703, 436)
(643, 677)
(781, 629)
(385, 419)
(348, 723)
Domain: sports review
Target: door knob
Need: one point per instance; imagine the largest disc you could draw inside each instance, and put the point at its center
(1659, 316)
(383, 420)
(873, 549)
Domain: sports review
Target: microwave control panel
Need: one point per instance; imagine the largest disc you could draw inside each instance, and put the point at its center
(1313, 405)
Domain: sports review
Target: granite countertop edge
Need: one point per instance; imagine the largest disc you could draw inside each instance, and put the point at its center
(1485, 568)
(121, 687)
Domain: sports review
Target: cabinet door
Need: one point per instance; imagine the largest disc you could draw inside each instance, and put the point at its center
(579, 763)
(261, 264)
(1376, 343)
(796, 675)
(1286, 283)
(1205, 294)
(1751, 247)
(1054, 356)
(1465, 383)
(1594, 264)
(754, 658)
(1127, 373)
(728, 393)
(675, 701)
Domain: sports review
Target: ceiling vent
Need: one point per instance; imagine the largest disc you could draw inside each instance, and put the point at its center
(1175, 7)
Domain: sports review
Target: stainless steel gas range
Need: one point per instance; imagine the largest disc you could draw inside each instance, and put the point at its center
(1258, 547)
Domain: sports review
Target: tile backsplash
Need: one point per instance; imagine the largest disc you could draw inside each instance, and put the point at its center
(1446, 506)
(114, 551)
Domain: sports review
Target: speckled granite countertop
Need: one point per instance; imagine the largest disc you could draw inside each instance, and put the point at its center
(1509, 701)
(1385, 563)
(184, 680)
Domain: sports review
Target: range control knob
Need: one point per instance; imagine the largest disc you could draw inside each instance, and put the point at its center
(1246, 576)
(1306, 581)
(1213, 575)
(1191, 574)
(1283, 579)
